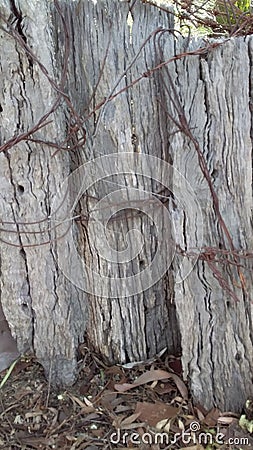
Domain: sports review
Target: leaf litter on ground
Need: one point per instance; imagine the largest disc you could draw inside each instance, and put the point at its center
(145, 398)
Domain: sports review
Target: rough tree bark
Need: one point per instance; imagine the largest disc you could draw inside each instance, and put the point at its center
(45, 311)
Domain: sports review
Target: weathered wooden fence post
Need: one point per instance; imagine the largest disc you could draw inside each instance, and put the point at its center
(46, 313)
(190, 108)
(216, 328)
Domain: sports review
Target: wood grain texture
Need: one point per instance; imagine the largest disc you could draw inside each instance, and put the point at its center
(39, 303)
(217, 331)
(44, 310)
(137, 327)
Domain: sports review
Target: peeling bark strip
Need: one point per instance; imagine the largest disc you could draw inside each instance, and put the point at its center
(77, 56)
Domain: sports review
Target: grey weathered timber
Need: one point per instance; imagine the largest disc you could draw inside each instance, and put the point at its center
(46, 312)
(132, 328)
(217, 332)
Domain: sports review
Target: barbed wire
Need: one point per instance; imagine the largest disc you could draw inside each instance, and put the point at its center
(222, 17)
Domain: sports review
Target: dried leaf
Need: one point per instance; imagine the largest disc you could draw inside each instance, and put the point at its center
(146, 377)
(200, 415)
(130, 419)
(124, 387)
(91, 417)
(86, 410)
(152, 413)
(164, 425)
(226, 420)
(131, 365)
(202, 409)
(115, 370)
(107, 399)
(181, 425)
(154, 375)
(176, 366)
(164, 388)
(132, 426)
(122, 408)
(180, 385)
(86, 405)
(212, 417)
(87, 402)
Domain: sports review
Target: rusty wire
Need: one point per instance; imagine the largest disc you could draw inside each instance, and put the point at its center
(235, 23)
(220, 17)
